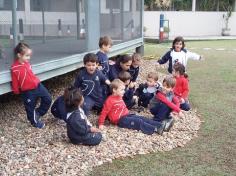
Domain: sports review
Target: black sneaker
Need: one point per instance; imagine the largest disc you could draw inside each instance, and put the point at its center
(161, 129)
(37, 122)
(169, 124)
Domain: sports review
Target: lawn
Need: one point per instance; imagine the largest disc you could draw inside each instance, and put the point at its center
(213, 90)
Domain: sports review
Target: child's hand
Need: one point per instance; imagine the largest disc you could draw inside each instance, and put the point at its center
(182, 101)
(94, 130)
(132, 85)
(101, 127)
(135, 98)
(99, 67)
(111, 62)
(108, 82)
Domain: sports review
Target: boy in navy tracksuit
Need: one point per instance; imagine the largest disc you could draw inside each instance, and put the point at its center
(128, 96)
(79, 129)
(91, 80)
(105, 44)
(134, 68)
(146, 91)
(25, 82)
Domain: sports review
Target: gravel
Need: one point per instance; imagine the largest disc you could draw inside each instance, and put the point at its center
(25, 150)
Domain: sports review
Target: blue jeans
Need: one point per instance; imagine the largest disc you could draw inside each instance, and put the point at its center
(160, 111)
(136, 122)
(90, 139)
(30, 99)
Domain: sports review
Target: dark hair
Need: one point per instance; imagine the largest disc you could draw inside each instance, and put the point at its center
(115, 84)
(20, 48)
(124, 76)
(123, 59)
(105, 40)
(72, 97)
(153, 75)
(169, 81)
(178, 67)
(178, 39)
(90, 57)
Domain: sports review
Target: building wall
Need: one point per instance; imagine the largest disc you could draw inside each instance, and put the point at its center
(188, 24)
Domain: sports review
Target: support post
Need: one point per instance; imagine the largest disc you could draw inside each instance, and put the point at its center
(193, 5)
(92, 23)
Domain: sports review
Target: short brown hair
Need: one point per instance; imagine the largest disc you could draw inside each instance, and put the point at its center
(105, 40)
(136, 57)
(169, 81)
(115, 84)
(90, 57)
(124, 76)
(153, 75)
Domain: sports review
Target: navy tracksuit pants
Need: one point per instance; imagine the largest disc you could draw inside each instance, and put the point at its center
(160, 111)
(58, 108)
(90, 103)
(136, 122)
(30, 100)
(90, 139)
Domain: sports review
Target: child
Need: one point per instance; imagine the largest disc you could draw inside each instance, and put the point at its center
(91, 81)
(134, 68)
(164, 102)
(128, 97)
(181, 88)
(146, 91)
(58, 108)
(24, 82)
(123, 63)
(105, 44)
(118, 114)
(178, 53)
(79, 129)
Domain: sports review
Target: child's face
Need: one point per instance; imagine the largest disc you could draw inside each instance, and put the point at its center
(126, 66)
(120, 91)
(91, 67)
(25, 56)
(106, 48)
(127, 82)
(178, 46)
(136, 63)
(151, 82)
(166, 89)
(175, 73)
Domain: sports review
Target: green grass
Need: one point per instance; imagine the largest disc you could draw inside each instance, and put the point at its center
(213, 93)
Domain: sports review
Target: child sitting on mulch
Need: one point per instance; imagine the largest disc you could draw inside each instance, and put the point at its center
(79, 129)
(118, 114)
(164, 102)
(146, 91)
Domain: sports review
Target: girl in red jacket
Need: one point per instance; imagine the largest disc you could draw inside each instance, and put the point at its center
(118, 114)
(181, 88)
(24, 82)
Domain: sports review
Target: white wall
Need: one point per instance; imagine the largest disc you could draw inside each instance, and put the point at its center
(188, 24)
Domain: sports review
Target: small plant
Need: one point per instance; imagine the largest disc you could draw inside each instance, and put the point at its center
(228, 8)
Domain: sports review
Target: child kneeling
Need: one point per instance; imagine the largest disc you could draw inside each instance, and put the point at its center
(118, 114)
(79, 129)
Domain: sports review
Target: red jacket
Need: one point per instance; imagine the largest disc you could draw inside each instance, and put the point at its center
(174, 105)
(114, 108)
(23, 78)
(181, 88)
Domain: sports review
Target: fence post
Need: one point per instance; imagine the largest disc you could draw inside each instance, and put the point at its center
(14, 22)
(161, 31)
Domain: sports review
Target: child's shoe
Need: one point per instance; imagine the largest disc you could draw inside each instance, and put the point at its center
(39, 125)
(169, 124)
(161, 129)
